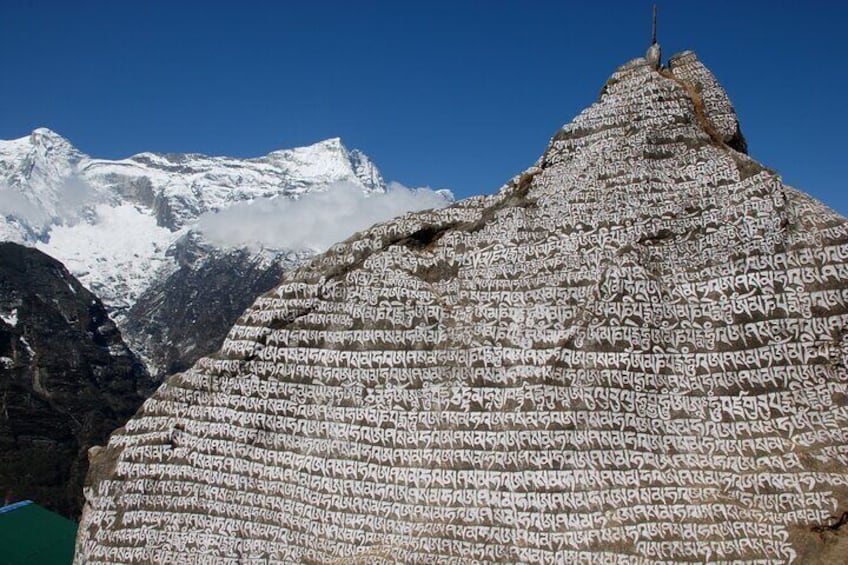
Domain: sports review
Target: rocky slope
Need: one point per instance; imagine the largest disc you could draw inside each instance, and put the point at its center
(187, 313)
(634, 353)
(123, 227)
(66, 380)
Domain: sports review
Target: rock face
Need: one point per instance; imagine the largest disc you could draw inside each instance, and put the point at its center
(633, 353)
(66, 380)
(187, 314)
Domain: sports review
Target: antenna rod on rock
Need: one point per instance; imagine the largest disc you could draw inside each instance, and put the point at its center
(654, 26)
(654, 55)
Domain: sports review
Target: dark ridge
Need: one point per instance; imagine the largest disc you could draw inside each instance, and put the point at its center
(66, 381)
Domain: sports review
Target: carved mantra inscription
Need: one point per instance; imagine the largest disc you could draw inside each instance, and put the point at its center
(634, 353)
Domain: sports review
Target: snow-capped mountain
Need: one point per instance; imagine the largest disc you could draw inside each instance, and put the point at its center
(111, 222)
(181, 187)
(123, 226)
(49, 175)
(39, 185)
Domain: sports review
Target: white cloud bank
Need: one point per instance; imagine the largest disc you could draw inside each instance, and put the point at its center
(32, 213)
(315, 221)
(15, 204)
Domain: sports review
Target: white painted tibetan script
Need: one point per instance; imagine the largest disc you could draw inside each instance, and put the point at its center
(633, 353)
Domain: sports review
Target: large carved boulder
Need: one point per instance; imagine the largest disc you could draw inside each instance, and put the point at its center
(633, 353)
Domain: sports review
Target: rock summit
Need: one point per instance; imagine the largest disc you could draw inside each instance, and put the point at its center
(634, 352)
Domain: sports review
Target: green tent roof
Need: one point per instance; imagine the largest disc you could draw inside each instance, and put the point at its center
(30, 534)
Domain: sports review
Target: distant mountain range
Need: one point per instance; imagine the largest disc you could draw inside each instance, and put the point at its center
(129, 230)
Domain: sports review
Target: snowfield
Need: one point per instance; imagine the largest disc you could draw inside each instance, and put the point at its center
(118, 255)
(115, 223)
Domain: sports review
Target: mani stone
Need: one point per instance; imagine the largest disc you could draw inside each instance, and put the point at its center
(634, 352)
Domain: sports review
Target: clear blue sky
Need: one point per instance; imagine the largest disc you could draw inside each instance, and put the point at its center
(457, 94)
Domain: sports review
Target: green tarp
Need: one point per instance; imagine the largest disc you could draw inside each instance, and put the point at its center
(32, 535)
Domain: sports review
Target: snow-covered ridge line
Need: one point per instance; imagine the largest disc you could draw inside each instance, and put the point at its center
(117, 224)
(36, 172)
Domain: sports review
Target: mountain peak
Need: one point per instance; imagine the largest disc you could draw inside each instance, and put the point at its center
(42, 140)
(657, 102)
(332, 142)
(45, 132)
(47, 138)
(330, 159)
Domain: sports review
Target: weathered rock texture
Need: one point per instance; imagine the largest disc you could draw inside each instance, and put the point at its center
(633, 353)
(66, 380)
(182, 317)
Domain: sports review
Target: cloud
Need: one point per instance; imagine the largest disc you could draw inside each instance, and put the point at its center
(315, 221)
(42, 206)
(15, 204)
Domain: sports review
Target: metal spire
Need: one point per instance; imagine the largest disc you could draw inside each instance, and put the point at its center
(654, 26)
(654, 54)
